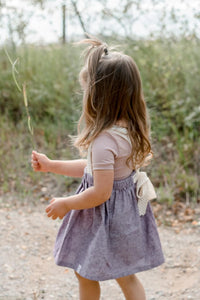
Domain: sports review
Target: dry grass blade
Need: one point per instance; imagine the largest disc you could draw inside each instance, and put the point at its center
(30, 127)
(13, 74)
(25, 96)
(14, 70)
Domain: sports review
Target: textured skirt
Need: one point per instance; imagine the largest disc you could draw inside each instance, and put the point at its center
(110, 240)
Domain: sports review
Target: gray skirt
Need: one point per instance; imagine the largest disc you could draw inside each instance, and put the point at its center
(110, 240)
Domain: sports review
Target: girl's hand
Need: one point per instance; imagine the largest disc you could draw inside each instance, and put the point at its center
(57, 208)
(40, 162)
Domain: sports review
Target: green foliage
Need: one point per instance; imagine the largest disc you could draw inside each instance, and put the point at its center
(50, 74)
(170, 71)
(170, 75)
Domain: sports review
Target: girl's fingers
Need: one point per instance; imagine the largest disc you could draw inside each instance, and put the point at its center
(47, 209)
(34, 155)
(36, 167)
(34, 160)
(35, 163)
(34, 152)
(49, 214)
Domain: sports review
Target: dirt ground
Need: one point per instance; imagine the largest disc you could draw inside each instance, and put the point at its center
(27, 269)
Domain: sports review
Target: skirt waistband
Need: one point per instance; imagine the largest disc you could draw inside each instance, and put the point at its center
(117, 184)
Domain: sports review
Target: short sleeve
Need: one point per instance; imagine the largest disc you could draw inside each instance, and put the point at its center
(104, 152)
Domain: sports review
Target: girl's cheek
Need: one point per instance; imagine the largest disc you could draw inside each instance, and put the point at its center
(83, 85)
(83, 77)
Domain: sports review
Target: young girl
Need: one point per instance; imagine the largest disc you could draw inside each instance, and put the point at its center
(103, 236)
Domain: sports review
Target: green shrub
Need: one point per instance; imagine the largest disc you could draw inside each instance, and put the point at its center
(170, 75)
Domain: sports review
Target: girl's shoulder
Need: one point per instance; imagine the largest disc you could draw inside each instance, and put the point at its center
(111, 134)
(105, 139)
(114, 138)
(115, 133)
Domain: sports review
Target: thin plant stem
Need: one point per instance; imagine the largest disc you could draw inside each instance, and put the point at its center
(23, 90)
(10, 60)
(13, 74)
(29, 122)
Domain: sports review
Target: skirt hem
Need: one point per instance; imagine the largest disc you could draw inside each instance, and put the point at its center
(109, 276)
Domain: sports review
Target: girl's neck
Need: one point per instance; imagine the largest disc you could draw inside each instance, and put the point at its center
(122, 123)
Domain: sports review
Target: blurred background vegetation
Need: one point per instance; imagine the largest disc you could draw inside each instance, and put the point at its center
(169, 61)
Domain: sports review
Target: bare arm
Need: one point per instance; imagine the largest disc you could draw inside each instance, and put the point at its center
(73, 168)
(91, 197)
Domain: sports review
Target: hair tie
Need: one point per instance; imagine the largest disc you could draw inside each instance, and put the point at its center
(105, 51)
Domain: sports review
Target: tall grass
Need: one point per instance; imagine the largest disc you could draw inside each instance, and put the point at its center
(170, 74)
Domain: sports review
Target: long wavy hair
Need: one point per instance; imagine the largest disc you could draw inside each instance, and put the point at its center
(112, 93)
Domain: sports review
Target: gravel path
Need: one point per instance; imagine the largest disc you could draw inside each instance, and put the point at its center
(27, 269)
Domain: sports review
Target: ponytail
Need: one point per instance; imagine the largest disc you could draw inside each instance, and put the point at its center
(93, 55)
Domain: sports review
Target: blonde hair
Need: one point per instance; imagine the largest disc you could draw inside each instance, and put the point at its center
(112, 93)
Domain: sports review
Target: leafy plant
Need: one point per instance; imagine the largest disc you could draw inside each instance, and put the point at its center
(170, 72)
